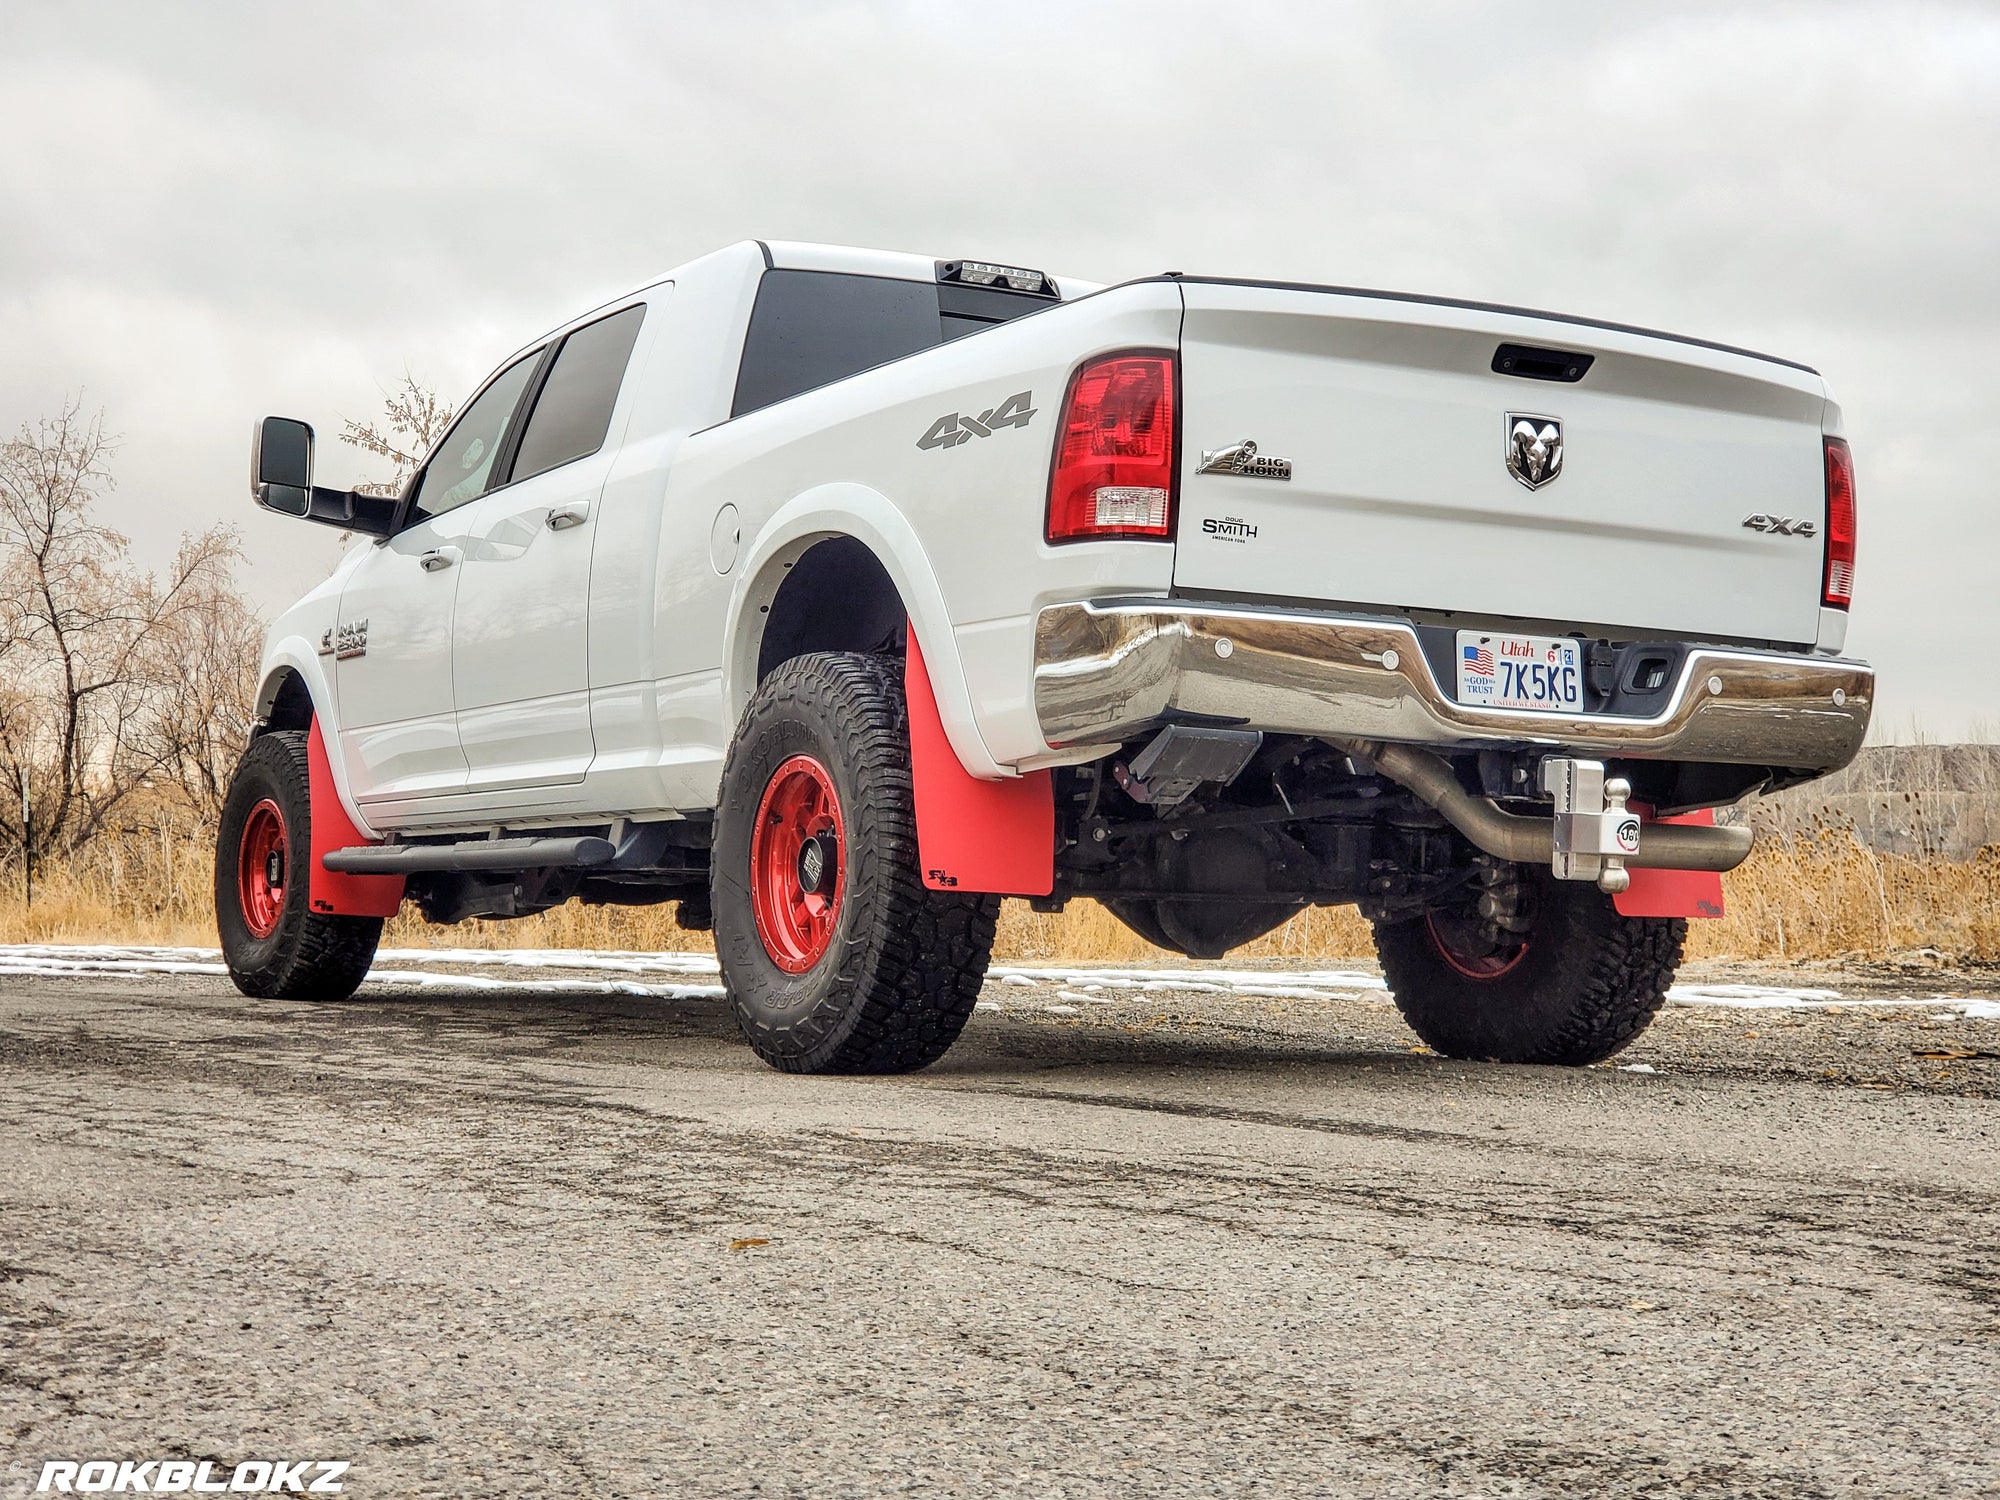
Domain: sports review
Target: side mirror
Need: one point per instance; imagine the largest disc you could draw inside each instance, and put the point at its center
(281, 460)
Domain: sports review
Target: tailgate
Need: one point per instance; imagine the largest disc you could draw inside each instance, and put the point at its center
(1399, 430)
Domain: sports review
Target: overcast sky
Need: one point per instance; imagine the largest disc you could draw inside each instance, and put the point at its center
(211, 211)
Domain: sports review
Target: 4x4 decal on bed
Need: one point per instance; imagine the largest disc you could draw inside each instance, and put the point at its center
(950, 431)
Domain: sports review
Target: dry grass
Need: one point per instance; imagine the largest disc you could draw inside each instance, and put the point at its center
(1823, 894)
(1811, 890)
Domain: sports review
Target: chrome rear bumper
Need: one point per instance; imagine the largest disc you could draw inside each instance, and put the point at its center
(1105, 671)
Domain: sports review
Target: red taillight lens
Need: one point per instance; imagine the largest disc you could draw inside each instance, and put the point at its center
(1838, 592)
(1114, 468)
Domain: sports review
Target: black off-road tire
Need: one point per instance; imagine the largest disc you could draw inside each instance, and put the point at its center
(1588, 984)
(308, 955)
(904, 966)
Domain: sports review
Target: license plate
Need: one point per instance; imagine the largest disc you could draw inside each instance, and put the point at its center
(1519, 671)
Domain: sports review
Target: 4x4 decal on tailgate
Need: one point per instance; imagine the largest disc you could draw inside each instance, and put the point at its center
(950, 431)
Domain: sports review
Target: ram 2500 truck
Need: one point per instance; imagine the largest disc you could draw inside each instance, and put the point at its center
(835, 594)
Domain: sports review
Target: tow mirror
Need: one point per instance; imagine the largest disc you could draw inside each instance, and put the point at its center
(281, 461)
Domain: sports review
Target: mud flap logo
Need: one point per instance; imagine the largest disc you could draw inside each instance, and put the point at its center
(949, 431)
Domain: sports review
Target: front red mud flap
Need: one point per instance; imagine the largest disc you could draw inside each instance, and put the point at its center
(1673, 893)
(328, 891)
(973, 835)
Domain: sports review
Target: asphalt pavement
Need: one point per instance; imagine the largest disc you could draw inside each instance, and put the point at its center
(1176, 1243)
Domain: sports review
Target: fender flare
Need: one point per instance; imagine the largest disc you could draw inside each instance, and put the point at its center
(855, 510)
(296, 654)
(338, 825)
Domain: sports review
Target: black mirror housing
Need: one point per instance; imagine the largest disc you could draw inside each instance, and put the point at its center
(281, 461)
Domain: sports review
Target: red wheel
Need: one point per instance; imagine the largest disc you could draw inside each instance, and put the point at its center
(796, 878)
(1465, 947)
(276, 946)
(260, 869)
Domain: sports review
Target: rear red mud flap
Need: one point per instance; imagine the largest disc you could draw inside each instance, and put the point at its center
(973, 835)
(328, 891)
(1673, 893)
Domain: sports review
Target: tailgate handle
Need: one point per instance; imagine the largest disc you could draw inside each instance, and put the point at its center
(1541, 364)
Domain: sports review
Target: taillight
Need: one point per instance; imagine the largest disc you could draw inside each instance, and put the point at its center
(1114, 467)
(1838, 590)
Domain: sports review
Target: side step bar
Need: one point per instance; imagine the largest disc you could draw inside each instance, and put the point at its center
(477, 854)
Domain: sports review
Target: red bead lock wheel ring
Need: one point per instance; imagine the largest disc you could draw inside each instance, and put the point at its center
(1489, 965)
(261, 869)
(797, 859)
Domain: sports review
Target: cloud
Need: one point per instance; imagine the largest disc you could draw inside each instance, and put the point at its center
(216, 211)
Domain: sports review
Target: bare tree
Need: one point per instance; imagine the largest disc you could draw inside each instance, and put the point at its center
(415, 419)
(200, 667)
(97, 657)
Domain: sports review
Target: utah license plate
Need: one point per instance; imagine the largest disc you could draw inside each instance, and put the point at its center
(1519, 671)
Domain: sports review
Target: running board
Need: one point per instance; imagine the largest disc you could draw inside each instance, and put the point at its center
(475, 854)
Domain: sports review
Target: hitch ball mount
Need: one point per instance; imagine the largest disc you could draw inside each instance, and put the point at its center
(1595, 833)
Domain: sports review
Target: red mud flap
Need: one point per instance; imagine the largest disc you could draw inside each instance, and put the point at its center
(973, 835)
(327, 890)
(1673, 893)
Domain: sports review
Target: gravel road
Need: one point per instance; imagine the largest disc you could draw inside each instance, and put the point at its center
(1180, 1244)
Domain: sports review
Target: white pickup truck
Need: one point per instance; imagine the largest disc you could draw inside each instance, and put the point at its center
(834, 594)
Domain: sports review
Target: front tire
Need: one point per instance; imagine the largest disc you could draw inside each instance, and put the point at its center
(1571, 984)
(276, 947)
(836, 957)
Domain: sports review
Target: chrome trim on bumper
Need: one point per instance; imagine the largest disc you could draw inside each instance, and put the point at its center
(1104, 671)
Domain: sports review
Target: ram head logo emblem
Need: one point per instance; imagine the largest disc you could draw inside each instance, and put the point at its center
(1534, 448)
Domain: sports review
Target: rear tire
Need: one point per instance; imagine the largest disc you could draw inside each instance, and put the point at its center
(836, 957)
(1579, 984)
(275, 945)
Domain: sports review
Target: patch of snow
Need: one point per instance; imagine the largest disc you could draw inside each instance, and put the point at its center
(57, 961)
(1215, 980)
(1085, 997)
(1637, 1068)
(558, 958)
(698, 975)
(1750, 996)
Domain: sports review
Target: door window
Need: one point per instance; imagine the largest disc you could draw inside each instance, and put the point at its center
(573, 412)
(463, 464)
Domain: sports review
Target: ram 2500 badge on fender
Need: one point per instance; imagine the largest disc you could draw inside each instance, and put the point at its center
(834, 594)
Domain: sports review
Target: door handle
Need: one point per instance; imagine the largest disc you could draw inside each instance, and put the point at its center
(565, 516)
(438, 559)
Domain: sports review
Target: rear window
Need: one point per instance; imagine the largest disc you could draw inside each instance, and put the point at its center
(573, 411)
(811, 328)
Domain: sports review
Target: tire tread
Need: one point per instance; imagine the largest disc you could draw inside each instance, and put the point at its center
(320, 957)
(913, 964)
(1602, 990)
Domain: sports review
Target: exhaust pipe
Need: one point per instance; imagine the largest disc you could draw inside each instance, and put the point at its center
(1519, 840)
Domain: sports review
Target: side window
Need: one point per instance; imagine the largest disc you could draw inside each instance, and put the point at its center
(810, 328)
(573, 411)
(463, 463)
